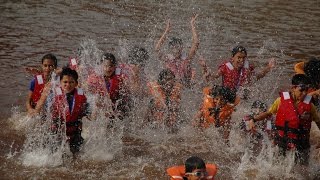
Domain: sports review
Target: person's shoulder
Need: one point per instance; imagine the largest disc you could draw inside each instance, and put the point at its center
(224, 63)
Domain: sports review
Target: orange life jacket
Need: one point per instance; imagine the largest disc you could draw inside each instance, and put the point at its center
(178, 172)
(212, 115)
(160, 98)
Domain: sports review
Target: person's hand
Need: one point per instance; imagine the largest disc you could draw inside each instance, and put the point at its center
(58, 70)
(252, 126)
(202, 61)
(135, 70)
(32, 112)
(193, 19)
(272, 63)
(316, 92)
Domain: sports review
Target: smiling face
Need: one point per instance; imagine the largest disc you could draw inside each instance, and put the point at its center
(299, 92)
(238, 60)
(219, 101)
(109, 68)
(47, 66)
(68, 83)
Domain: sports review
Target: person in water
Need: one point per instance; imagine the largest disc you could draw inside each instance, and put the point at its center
(111, 84)
(48, 65)
(236, 72)
(294, 114)
(134, 72)
(311, 68)
(194, 169)
(217, 108)
(265, 125)
(165, 100)
(69, 106)
(177, 61)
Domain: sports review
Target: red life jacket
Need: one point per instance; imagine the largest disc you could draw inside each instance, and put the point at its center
(178, 172)
(61, 108)
(233, 78)
(113, 87)
(38, 88)
(287, 123)
(98, 85)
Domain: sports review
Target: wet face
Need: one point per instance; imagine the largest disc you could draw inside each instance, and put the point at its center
(197, 174)
(219, 101)
(256, 110)
(238, 60)
(68, 83)
(299, 92)
(47, 66)
(168, 83)
(176, 50)
(109, 68)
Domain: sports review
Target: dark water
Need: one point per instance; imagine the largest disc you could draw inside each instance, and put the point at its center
(287, 30)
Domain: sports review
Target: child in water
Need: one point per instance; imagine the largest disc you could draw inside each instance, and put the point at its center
(294, 114)
(236, 72)
(217, 108)
(48, 65)
(193, 169)
(111, 84)
(177, 61)
(69, 106)
(165, 97)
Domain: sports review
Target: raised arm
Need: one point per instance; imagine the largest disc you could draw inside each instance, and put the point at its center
(163, 37)
(267, 69)
(195, 39)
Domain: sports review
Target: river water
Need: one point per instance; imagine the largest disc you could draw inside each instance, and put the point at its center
(286, 30)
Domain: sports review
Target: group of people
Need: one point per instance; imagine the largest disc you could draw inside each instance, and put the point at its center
(120, 83)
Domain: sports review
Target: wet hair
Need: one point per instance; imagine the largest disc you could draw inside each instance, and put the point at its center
(110, 57)
(229, 95)
(51, 57)
(175, 41)
(164, 75)
(138, 56)
(193, 163)
(312, 70)
(299, 79)
(259, 104)
(237, 49)
(69, 72)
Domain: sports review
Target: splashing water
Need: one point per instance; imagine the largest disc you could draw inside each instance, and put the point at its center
(132, 149)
